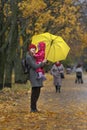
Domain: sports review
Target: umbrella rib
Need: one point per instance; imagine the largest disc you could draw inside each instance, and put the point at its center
(49, 49)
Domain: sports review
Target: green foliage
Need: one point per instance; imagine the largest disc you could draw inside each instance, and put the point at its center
(68, 61)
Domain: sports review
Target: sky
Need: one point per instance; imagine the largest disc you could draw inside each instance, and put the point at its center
(82, 0)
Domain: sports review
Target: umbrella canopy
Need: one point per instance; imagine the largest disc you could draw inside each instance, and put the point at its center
(56, 47)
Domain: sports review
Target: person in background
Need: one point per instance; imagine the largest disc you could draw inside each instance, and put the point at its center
(56, 76)
(79, 74)
(36, 84)
(40, 56)
(61, 69)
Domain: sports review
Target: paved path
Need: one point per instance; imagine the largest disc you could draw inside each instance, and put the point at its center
(71, 94)
(70, 104)
(59, 111)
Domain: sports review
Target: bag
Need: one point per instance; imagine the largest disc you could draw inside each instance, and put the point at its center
(79, 74)
(62, 75)
(25, 66)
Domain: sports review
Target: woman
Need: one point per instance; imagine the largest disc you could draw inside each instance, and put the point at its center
(56, 76)
(61, 69)
(79, 74)
(36, 83)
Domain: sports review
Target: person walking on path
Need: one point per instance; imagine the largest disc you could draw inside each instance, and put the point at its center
(79, 74)
(56, 76)
(61, 69)
(36, 84)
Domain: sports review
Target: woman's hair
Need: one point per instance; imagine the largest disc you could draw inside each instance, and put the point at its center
(79, 65)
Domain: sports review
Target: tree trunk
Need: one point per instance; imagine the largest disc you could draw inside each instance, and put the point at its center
(13, 37)
(20, 77)
(1, 70)
(2, 58)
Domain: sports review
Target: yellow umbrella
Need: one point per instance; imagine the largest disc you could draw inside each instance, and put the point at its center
(56, 47)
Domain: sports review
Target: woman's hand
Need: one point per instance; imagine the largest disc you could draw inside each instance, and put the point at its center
(44, 61)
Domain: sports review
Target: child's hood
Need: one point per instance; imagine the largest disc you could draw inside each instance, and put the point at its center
(41, 46)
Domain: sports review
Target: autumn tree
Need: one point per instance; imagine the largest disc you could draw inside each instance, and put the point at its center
(25, 18)
(57, 17)
(4, 23)
(12, 41)
(13, 60)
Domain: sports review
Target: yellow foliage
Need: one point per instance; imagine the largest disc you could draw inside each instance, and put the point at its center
(31, 6)
(67, 30)
(7, 10)
(62, 15)
(84, 40)
(60, 20)
(68, 1)
(21, 41)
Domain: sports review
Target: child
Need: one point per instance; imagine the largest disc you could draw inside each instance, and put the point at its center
(79, 74)
(40, 56)
(56, 76)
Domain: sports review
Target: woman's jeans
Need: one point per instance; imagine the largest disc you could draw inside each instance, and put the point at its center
(35, 93)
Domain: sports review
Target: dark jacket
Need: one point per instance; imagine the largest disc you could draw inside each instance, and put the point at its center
(33, 75)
